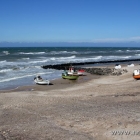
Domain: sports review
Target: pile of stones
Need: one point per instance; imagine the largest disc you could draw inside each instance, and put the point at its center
(105, 71)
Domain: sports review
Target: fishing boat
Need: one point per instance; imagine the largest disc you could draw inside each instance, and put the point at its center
(70, 77)
(136, 74)
(38, 80)
(72, 72)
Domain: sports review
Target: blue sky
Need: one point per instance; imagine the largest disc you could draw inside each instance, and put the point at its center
(76, 21)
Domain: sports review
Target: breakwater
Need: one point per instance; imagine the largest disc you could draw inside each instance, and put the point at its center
(97, 71)
(67, 65)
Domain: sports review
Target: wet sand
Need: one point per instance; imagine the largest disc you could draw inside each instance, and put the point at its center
(92, 108)
(54, 84)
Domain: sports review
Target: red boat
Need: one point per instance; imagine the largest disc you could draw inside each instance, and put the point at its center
(136, 74)
(81, 70)
(136, 77)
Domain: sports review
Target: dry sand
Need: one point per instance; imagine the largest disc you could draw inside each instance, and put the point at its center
(93, 108)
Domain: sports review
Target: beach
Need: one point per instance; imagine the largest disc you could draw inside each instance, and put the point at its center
(96, 107)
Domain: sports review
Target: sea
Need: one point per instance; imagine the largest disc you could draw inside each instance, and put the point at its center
(19, 65)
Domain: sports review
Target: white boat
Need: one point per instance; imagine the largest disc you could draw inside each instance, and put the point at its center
(130, 65)
(38, 80)
(117, 66)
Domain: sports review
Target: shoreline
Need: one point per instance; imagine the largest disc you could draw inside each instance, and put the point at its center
(66, 82)
(55, 84)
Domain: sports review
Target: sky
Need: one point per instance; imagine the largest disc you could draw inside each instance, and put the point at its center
(69, 21)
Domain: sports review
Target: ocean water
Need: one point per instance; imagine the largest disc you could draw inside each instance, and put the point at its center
(19, 65)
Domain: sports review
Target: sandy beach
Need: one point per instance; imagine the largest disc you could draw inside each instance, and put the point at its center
(92, 108)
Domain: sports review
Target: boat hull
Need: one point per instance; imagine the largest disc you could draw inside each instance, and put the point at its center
(80, 73)
(43, 82)
(76, 73)
(136, 77)
(70, 77)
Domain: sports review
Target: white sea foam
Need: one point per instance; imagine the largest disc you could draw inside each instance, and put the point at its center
(38, 67)
(133, 50)
(119, 51)
(23, 76)
(53, 58)
(62, 52)
(32, 53)
(125, 57)
(98, 57)
(63, 58)
(38, 61)
(89, 59)
(6, 52)
(5, 70)
(137, 54)
(14, 78)
(80, 59)
(26, 58)
(3, 61)
(117, 57)
(71, 57)
(137, 50)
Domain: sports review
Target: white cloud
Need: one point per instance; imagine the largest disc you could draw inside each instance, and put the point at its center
(135, 38)
(116, 40)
